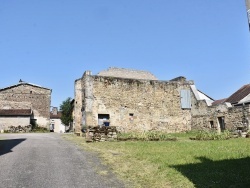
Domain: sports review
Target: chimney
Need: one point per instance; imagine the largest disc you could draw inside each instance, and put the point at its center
(54, 111)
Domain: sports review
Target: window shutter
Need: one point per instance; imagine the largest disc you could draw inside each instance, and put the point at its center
(185, 99)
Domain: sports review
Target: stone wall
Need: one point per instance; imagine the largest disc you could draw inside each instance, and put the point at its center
(23, 96)
(136, 105)
(6, 122)
(77, 112)
(101, 134)
(207, 117)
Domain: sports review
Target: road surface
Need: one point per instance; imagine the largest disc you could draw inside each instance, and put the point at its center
(46, 160)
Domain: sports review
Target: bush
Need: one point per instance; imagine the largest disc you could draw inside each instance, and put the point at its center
(146, 136)
(38, 129)
(212, 135)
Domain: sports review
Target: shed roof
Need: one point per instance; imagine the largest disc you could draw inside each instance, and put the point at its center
(239, 95)
(15, 112)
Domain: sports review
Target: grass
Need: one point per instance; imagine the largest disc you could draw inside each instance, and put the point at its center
(184, 163)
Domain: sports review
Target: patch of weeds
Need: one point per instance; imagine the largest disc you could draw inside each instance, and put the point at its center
(212, 135)
(146, 136)
(38, 129)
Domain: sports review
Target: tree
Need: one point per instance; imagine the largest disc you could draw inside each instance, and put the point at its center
(66, 110)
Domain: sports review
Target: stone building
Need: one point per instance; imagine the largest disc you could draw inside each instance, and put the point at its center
(25, 97)
(231, 113)
(134, 101)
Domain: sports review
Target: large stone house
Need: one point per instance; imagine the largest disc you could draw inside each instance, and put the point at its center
(135, 100)
(23, 104)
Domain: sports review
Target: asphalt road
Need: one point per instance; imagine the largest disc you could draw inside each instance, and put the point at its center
(47, 160)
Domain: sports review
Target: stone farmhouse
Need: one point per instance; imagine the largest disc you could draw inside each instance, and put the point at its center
(135, 100)
(232, 113)
(23, 104)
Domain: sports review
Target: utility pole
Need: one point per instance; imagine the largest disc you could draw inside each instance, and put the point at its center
(248, 12)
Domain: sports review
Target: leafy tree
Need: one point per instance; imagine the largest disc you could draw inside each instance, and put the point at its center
(66, 110)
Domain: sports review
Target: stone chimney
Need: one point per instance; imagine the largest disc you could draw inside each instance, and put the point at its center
(54, 111)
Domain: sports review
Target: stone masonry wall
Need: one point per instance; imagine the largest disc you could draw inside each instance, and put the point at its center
(28, 96)
(203, 115)
(136, 105)
(78, 105)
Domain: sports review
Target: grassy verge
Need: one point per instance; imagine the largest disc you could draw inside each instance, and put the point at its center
(184, 163)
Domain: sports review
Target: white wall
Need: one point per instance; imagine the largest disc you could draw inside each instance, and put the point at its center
(58, 126)
(6, 122)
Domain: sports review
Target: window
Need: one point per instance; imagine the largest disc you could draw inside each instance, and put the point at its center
(185, 99)
(131, 116)
(103, 118)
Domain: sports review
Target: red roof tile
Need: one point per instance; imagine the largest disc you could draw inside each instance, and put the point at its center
(15, 112)
(219, 101)
(55, 116)
(239, 95)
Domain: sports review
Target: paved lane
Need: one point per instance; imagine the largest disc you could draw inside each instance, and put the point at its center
(46, 160)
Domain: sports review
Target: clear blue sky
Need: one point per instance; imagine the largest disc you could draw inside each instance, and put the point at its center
(52, 42)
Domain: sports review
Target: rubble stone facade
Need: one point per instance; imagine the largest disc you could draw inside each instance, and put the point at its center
(131, 104)
(28, 96)
(220, 117)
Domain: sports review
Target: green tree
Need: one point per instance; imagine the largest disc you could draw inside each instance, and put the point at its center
(66, 110)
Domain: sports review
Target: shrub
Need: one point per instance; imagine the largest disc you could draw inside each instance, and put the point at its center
(146, 136)
(212, 135)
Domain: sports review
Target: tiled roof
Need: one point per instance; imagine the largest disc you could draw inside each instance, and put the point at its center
(127, 73)
(220, 101)
(55, 116)
(23, 83)
(239, 95)
(15, 112)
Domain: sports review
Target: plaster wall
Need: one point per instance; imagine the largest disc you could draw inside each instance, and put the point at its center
(6, 122)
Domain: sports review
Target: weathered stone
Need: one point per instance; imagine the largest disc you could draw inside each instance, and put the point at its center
(26, 96)
(132, 104)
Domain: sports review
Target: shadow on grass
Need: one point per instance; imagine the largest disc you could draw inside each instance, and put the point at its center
(226, 173)
(7, 145)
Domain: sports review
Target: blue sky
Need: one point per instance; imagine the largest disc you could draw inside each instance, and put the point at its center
(52, 42)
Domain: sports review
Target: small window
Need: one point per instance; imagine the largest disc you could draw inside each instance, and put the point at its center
(211, 124)
(30, 92)
(131, 117)
(102, 118)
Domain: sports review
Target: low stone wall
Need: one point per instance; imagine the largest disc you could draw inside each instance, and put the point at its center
(101, 134)
(18, 129)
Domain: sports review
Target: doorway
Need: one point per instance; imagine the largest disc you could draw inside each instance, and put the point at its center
(221, 121)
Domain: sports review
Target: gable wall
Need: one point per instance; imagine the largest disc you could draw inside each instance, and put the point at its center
(27, 96)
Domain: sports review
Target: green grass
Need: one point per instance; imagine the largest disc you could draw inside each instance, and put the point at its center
(184, 163)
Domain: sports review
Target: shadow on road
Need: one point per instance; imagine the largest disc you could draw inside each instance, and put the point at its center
(7, 145)
(225, 173)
